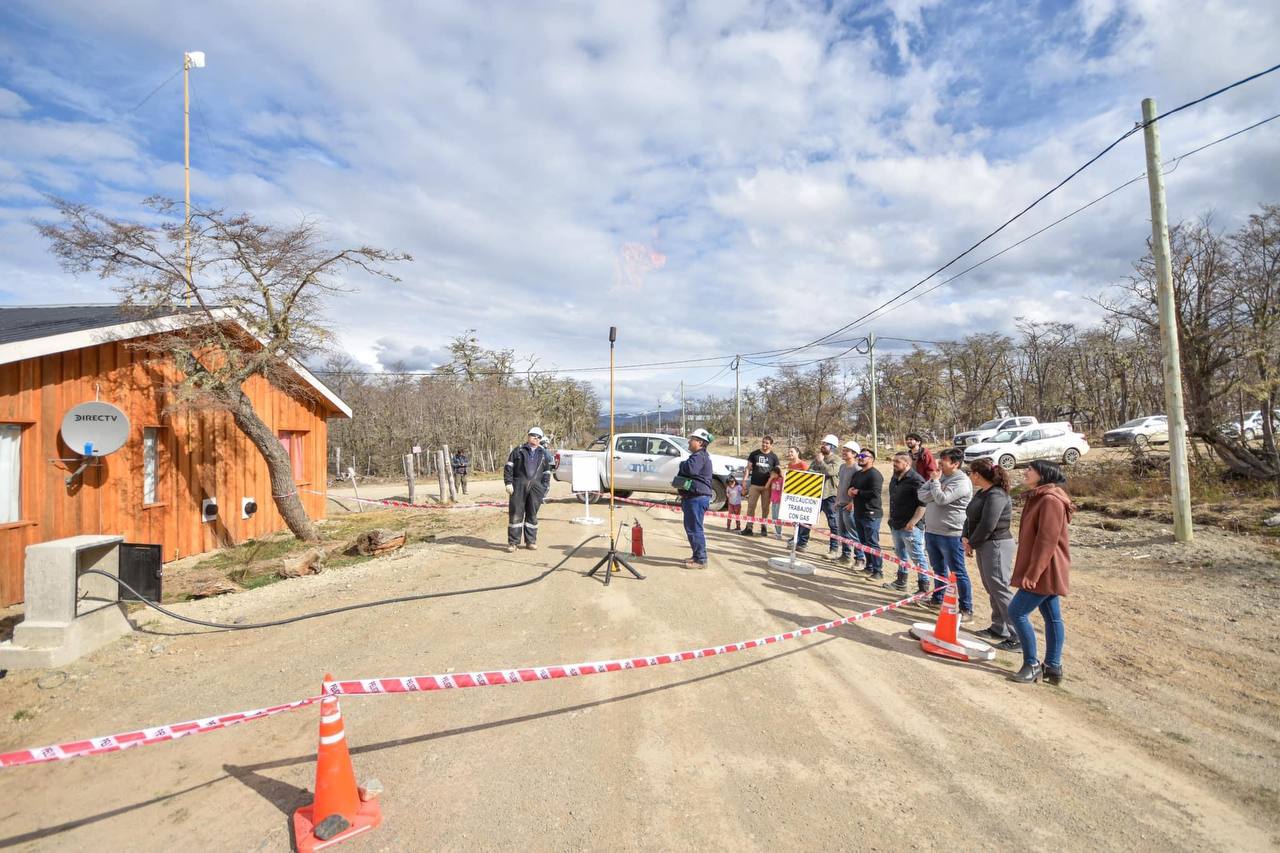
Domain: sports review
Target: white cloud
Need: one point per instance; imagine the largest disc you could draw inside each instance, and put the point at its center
(790, 170)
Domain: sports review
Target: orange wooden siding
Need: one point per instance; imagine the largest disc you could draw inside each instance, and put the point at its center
(202, 454)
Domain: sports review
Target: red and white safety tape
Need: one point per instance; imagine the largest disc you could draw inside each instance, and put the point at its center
(499, 677)
(414, 684)
(408, 505)
(144, 737)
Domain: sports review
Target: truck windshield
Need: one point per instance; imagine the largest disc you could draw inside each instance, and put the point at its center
(992, 424)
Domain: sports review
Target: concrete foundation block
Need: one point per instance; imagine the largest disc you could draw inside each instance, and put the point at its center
(66, 613)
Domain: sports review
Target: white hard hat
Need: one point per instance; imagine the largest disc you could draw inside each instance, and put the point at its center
(536, 431)
(831, 440)
(702, 435)
(853, 445)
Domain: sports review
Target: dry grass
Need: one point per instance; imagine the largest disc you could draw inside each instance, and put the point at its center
(256, 562)
(1136, 487)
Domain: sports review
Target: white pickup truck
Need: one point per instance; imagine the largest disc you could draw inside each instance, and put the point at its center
(646, 462)
(991, 427)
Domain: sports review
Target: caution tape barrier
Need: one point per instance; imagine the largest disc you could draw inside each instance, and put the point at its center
(415, 684)
(144, 737)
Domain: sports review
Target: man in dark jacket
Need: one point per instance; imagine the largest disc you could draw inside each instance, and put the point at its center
(866, 485)
(905, 513)
(527, 476)
(461, 465)
(693, 483)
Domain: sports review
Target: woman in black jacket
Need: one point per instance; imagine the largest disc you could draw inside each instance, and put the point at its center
(987, 538)
(693, 483)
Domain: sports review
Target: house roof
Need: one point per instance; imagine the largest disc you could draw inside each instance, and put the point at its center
(31, 331)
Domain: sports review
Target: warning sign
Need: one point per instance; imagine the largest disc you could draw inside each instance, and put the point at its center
(801, 497)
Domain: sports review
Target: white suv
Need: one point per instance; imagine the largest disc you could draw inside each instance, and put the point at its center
(1013, 447)
(1140, 432)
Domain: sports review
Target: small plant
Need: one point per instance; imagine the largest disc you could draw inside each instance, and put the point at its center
(22, 715)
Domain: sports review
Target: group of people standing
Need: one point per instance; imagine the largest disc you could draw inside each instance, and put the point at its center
(939, 515)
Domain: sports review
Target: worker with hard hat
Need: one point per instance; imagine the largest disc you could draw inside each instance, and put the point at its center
(527, 478)
(693, 484)
(826, 461)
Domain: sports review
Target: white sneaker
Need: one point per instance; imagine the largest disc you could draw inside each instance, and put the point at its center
(511, 549)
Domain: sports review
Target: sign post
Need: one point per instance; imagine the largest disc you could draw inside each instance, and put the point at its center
(586, 480)
(801, 504)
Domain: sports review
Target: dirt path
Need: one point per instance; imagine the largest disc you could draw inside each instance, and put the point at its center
(1164, 735)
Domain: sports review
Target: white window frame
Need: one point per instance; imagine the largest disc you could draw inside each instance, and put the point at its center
(11, 492)
(150, 465)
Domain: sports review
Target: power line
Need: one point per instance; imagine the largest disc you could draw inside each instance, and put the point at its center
(1095, 158)
(887, 306)
(98, 128)
(1174, 165)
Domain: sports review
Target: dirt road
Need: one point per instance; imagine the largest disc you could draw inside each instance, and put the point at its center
(1164, 735)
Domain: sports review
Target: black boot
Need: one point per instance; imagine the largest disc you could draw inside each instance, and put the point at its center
(1029, 674)
(1053, 674)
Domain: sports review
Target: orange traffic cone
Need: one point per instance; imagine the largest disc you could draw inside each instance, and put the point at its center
(943, 637)
(338, 812)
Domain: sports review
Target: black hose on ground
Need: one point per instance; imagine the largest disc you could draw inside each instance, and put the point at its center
(400, 600)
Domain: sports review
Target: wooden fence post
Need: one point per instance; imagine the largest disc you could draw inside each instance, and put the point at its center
(408, 473)
(448, 473)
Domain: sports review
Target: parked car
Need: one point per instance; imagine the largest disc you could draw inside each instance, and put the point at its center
(1140, 432)
(991, 427)
(1011, 448)
(1251, 426)
(646, 462)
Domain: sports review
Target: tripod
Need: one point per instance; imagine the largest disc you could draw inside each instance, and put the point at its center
(612, 559)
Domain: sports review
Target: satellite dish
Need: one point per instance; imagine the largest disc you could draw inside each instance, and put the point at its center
(95, 429)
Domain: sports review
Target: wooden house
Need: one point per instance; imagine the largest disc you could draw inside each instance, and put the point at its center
(155, 488)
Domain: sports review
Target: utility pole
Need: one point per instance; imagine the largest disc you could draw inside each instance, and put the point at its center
(192, 59)
(871, 349)
(737, 398)
(659, 416)
(1171, 361)
(684, 426)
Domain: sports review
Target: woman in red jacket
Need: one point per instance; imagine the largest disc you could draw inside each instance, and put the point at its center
(1042, 570)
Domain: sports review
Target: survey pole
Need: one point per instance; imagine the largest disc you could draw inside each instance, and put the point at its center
(875, 435)
(737, 401)
(1171, 362)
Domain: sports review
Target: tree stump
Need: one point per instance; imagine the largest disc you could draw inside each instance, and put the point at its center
(375, 543)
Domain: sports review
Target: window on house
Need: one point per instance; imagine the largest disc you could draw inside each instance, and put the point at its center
(292, 439)
(10, 473)
(151, 465)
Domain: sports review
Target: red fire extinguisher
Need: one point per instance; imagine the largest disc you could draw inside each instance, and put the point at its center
(637, 539)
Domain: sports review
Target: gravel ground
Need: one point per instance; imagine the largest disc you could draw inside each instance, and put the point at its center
(1163, 736)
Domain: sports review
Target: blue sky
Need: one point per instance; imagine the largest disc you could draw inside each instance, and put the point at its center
(709, 177)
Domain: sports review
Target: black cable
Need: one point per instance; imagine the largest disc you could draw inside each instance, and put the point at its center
(400, 600)
(1095, 158)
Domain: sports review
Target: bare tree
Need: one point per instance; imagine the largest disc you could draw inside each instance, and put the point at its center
(271, 281)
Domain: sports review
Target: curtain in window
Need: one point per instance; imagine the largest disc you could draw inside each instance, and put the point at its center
(292, 441)
(10, 473)
(150, 465)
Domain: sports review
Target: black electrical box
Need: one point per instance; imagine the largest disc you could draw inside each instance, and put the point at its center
(140, 568)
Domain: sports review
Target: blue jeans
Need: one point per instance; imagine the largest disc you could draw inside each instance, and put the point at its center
(1054, 634)
(869, 535)
(946, 554)
(848, 530)
(694, 509)
(833, 522)
(774, 510)
(909, 545)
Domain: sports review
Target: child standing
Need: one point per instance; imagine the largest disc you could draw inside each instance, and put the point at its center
(733, 491)
(775, 500)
